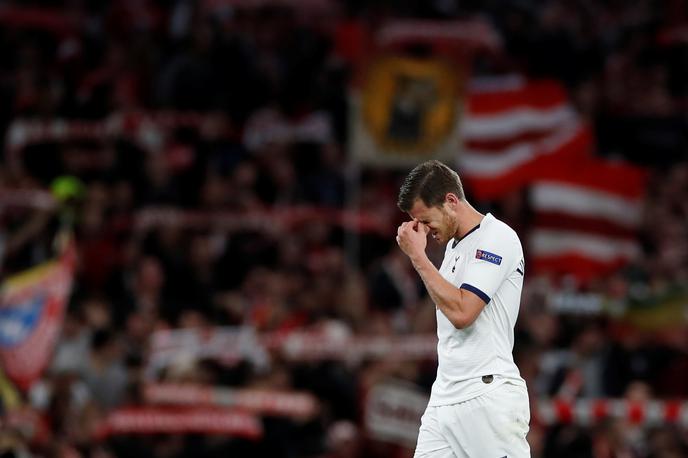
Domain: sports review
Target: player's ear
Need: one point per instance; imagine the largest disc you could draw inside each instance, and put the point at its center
(451, 199)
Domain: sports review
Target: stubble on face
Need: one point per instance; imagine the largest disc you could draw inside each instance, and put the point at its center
(449, 226)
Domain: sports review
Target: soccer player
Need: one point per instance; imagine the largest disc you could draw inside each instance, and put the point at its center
(478, 406)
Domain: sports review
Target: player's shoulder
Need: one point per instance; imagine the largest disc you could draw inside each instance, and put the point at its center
(497, 231)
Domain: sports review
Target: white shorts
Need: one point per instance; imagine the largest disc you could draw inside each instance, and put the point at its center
(492, 425)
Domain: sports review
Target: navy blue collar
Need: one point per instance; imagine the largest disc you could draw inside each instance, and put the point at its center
(456, 241)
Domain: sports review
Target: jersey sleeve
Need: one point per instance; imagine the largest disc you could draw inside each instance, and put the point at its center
(491, 263)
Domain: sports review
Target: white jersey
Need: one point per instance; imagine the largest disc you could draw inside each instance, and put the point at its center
(487, 261)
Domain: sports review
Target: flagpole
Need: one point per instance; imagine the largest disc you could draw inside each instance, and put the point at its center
(352, 242)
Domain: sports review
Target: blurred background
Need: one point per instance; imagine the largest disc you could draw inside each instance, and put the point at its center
(198, 210)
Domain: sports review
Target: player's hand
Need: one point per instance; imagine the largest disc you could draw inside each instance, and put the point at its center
(412, 237)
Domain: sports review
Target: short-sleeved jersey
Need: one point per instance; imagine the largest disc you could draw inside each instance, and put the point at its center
(487, 261)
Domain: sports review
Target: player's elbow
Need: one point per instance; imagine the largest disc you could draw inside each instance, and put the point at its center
(461, 320)
(460, 323)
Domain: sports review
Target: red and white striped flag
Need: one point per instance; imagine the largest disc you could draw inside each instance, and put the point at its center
(587, 215)
(518, 132)
(514, 130)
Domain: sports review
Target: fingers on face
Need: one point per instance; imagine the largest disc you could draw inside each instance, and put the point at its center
(410, 226)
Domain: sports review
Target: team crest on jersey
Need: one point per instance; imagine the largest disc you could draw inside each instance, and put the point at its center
(489, 257)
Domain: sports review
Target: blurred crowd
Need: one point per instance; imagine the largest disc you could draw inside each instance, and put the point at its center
(270, 79)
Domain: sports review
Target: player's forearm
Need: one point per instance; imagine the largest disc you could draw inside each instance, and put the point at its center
(446, 296)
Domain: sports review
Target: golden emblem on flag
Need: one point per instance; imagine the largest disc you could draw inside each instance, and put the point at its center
(409, 106)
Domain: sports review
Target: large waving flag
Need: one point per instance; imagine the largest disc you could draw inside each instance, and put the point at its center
(587, 216)
(510, 108)
(518, 132)
(32, 307)
(514, 130)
